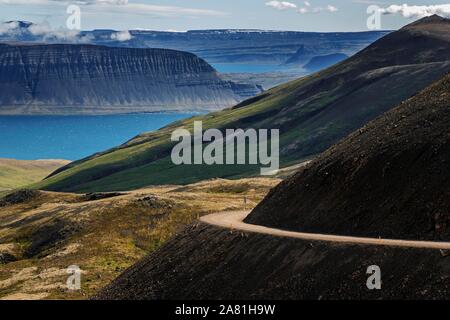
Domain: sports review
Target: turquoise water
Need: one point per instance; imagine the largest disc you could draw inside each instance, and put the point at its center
(73, 137)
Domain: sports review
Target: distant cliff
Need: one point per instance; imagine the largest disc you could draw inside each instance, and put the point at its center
(89, 79)
(236, 47)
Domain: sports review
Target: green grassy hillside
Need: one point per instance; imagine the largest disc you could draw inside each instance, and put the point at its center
(15, 173)
(312, 113)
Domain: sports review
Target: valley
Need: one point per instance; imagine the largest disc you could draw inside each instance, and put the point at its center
(312, 113)
(152, 203)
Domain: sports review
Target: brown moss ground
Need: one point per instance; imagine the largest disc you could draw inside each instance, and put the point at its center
(51, 231)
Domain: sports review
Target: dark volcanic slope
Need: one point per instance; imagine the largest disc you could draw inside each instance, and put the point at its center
(322, 62)
(75, 79)
(390, 179)
(206, 262)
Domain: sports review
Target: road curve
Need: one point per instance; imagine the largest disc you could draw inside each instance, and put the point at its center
(234, 220)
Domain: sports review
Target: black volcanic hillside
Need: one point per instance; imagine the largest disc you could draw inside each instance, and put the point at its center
(312, 113)
(77, 79)
(210, 263)
(391, 178)
(425, 40)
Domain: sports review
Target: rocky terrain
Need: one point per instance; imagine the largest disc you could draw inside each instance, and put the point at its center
(87, 79)
(312, 113)
(42, 233)
(389, 179)
(209, 263)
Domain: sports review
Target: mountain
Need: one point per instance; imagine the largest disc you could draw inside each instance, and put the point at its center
(388, 179)
(302, 56)
(322, 62)
(227, 46)
(312, 114)
(88, 79)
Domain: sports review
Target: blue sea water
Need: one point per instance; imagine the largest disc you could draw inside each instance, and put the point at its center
(73, 137)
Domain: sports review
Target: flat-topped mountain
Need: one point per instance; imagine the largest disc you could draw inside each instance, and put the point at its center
(88, 79)
(227, 46)
(389, 179)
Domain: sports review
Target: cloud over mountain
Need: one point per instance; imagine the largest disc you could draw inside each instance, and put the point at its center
(121, 36)
(281, 5)
(307, 8)
(409, 11)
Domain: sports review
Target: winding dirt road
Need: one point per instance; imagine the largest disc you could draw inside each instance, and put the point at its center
(234, 221)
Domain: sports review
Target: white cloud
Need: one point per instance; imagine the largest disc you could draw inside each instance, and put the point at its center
(331, 8)
(369, 2)
(30, 2)
(303, 10)
(281, 5)
(408, 11)
(122, 36)
(43, 32)
(120, 6)
(116, 2)
(308, 9)
(52, 2)
(9, 27)
(46, 32)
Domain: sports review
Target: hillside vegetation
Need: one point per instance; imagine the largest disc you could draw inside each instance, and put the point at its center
(43, 233)
(312, 113)
(389, 179)
(18, 173)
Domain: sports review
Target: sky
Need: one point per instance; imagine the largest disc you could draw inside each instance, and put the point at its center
(182, 15)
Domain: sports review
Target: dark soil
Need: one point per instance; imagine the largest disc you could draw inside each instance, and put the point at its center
(19, 197)
(390, 179)
(101, 195)
(6, 257)
(206, 262)
(51, 235)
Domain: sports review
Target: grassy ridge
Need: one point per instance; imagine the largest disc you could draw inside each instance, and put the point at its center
(18, 173)
(311, 113)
